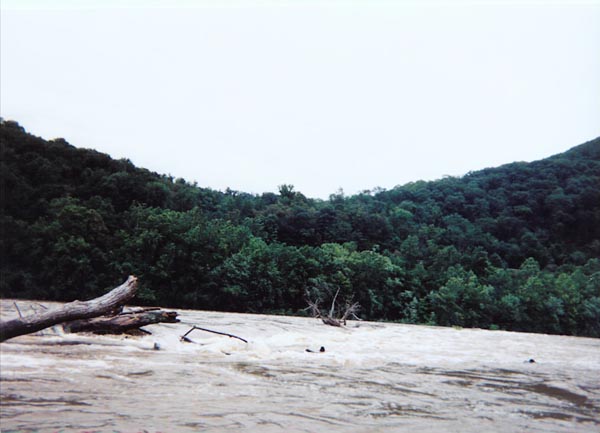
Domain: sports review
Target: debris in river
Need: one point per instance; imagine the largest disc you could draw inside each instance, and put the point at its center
(103, 315)
(130, 321)
(187, 340)
(331, 318)
(322, 349)
(18, 310)
(76, 310)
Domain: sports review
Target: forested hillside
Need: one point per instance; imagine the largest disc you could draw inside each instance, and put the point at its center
(515, 247)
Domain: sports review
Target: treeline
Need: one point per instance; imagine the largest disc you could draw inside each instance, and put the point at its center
(515, 247)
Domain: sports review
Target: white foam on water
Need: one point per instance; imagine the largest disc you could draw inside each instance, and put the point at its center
(371, 377)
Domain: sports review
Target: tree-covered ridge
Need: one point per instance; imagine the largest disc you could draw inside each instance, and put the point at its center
(515, 247)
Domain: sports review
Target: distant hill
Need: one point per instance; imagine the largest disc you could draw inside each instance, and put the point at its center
(514, 247)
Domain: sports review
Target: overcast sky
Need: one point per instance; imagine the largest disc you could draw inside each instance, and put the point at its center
(322, 95)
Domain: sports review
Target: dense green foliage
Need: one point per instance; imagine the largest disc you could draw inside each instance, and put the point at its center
(515, 247)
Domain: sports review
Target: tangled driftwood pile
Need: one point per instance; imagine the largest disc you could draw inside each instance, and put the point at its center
(101, 315)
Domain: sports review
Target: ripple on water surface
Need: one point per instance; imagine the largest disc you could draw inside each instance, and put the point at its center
(372, 377)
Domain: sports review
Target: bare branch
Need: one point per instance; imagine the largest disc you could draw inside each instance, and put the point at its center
(313, 306)
(183, 337)
(121, 323)
(18, 311)
(72, 311)
(350, 311)
(332, 310)
(331, 319)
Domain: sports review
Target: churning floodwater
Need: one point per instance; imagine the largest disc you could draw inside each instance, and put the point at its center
(372, 377)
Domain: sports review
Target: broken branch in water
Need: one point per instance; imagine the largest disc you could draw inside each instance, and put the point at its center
(184, 336)
(349, 311)
(123, 322)
(332, 310)
(75, 310)
(18, 310)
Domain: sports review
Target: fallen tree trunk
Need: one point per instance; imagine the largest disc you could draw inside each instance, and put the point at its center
(75, 310)
(122, 322)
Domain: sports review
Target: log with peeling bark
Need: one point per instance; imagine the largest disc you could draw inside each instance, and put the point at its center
(75, 310)
(122, 322)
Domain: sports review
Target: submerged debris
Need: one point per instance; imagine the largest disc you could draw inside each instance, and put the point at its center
(185, 338)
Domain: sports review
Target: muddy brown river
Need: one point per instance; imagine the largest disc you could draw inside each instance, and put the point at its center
(372, 377)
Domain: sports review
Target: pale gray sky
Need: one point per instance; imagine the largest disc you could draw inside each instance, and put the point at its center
(322, 95)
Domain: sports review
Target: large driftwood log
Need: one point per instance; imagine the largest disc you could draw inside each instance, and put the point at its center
(75, 310)
(122, 322)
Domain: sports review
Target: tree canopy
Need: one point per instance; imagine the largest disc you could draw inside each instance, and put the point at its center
(515, 247)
